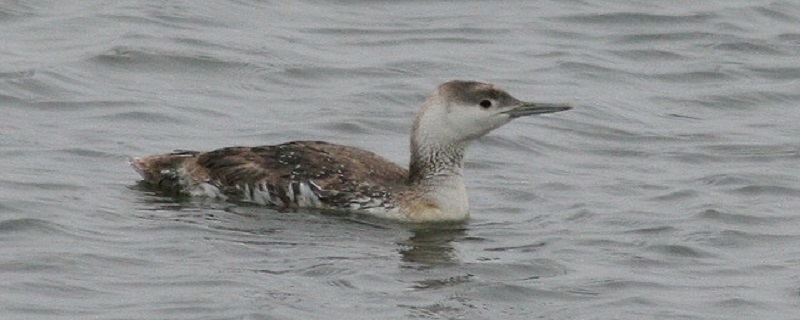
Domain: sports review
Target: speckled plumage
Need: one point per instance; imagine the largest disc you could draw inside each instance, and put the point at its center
(340, 177)
(323, 175)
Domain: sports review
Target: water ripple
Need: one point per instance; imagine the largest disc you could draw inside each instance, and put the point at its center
(674, 173)
(637, 19)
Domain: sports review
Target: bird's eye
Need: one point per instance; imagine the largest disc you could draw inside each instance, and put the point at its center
(486, 104)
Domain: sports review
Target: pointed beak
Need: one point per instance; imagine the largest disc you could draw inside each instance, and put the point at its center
(531, 108)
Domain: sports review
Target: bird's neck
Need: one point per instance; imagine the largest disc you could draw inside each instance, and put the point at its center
(435, 162)
(436, 174)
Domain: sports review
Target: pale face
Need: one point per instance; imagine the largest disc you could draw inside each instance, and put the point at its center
(482, 112)
(460, 111)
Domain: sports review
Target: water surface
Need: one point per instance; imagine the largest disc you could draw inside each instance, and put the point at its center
(670, 191)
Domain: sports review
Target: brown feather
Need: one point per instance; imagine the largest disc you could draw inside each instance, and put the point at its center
(338, 174)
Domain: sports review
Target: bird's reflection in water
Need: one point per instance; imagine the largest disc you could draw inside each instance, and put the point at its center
(432, 246)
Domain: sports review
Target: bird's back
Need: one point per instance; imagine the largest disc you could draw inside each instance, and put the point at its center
(294, 174)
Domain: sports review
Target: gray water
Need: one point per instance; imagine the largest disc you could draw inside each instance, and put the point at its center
(671, 191)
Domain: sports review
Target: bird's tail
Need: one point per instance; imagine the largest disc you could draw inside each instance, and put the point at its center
(163, 170)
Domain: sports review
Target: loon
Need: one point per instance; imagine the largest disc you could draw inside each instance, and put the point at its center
(316, 174)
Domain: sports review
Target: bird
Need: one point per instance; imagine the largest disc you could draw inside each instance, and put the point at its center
(322, 175)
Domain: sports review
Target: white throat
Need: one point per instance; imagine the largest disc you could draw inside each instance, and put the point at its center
(436, 168)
